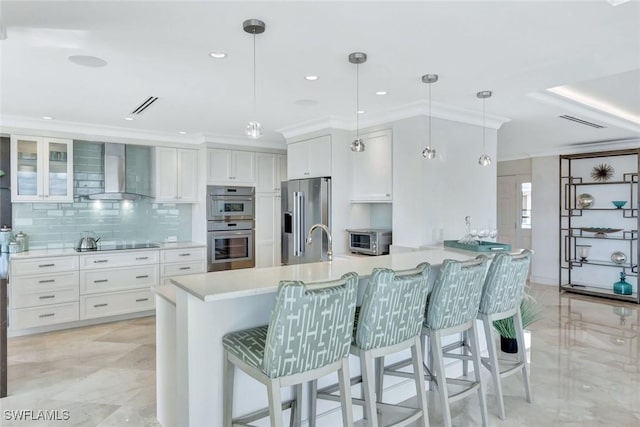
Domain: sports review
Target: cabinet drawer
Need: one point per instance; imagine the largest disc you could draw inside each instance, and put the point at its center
(125, 259)
(31, 291)
(23, 318)
(182, 255)
(114, 303)
(179, 269)
(118, 279)
(21, 267)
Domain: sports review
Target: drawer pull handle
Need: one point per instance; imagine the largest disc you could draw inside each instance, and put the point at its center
(187, 254)
(47, 315)
(101, 281)
(144, 276)
(100, 305)
(98, 261)
(142, 299)
(46, 265)
(140, 258)
(184, 268)
(47, 281)
(47, 296)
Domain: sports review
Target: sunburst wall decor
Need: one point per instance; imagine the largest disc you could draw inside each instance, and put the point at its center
(602, 172)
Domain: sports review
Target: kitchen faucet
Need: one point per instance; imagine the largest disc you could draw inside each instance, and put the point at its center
(326, 230)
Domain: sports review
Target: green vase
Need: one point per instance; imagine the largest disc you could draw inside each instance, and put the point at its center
(622, 287)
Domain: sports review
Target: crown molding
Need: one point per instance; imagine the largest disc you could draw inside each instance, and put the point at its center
(585, 111)
(217, 140)
(587, 147)
(414, 109)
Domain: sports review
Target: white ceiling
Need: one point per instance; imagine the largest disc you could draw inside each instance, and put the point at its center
(516, 49)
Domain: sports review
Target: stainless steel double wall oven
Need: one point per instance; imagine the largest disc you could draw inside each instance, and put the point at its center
(231, 228)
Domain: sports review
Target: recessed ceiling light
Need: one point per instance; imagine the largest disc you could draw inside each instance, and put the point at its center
(311, 78)
(88, 61)
(218, 54)
(47, 118)
(182, 132)
(129, 119)
(381, 92)
(361, 112)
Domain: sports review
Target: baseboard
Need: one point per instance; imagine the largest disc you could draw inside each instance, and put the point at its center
(542, 280)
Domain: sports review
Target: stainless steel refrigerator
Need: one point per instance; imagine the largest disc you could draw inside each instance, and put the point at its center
(305, 202)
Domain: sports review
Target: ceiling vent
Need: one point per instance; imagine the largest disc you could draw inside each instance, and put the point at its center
(582, 122)
(144, 105)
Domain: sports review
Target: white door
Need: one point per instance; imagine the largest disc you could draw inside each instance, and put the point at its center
(187, 164)
(507, 206)
(166, 179)
(244, 167)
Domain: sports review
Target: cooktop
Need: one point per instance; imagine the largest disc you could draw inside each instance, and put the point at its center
(120, 246)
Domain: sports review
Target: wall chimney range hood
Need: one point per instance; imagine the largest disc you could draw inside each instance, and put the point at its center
(127, 172)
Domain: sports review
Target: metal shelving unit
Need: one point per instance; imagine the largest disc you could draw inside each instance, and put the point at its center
(591, 276)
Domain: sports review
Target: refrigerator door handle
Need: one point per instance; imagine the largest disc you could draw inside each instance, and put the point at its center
(296, 223)
(301, 224)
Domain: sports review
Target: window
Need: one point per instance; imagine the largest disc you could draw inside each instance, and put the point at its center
(525, 220)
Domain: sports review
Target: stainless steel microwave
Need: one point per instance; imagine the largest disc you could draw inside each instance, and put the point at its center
(369, 241)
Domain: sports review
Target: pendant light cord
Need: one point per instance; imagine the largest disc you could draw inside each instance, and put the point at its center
(254, 74)
(484, 128)
(430, 146)
(357, 101)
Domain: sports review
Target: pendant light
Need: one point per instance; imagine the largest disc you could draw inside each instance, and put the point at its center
(484, 159)
(254, 26)
(357, 146)
(429, 152)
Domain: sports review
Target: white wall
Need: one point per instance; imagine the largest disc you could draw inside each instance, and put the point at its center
(544, 219)
(432, 197)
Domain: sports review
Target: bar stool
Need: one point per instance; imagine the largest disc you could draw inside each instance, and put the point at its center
(501, 296)
(452, 308)
(308, 336)
(389, 320)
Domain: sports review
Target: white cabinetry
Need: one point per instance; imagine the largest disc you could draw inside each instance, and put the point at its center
(231, 167)
(182, 261)
(44, 291)
(310, 158)
(372, 169)
(117, 283)
(41, 169)
(271, 171)
(176, 175)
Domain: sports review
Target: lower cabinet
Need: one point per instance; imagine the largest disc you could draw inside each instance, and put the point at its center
(33, 317)
(114, 303)
(268, 229)
(182, 261)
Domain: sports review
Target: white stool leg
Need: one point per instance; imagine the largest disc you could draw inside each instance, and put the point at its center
(440, 376)
(227, 394)
(522, 354)
(345, 393)
(494, 364)
(475, 355)
(418, 370)
(366, 368)
(465, 351)
(313, 401)
(275, 403)
(296, 411)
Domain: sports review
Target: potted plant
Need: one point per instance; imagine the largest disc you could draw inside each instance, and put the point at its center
(530, 312)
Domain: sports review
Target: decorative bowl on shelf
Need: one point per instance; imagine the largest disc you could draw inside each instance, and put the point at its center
(584, 201)
(619, 203)
(600, 231)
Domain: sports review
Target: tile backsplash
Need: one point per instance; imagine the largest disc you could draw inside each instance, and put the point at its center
(59, 225)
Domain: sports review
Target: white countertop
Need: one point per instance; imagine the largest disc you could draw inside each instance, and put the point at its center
(222, 285)
(45, 253)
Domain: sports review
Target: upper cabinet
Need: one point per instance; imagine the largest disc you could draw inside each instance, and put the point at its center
(271, 170)
(310, 158)
(372, 169)
(41, 169)
(176, 175)
(231, 167)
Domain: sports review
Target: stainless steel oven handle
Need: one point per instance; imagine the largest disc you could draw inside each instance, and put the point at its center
(233, 233)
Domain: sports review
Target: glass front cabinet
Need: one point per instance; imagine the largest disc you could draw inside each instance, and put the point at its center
(41, 169)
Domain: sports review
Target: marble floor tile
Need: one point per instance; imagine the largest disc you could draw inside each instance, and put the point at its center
(132, 416)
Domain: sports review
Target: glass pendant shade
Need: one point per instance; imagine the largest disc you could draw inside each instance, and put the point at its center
(254, 130)
(357, 146)
(484, 160)
(429, 153)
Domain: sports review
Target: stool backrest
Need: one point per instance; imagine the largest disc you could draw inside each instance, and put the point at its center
(392, 307)
(456, 293)
(505, 282)
(310, 328)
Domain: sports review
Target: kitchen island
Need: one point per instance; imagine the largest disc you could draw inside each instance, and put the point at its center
(196, 311)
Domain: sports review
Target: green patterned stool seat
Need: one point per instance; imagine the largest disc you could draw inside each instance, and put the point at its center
(247, 345)
(308, 336)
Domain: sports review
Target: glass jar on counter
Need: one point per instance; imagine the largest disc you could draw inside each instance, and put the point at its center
(23, 240)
